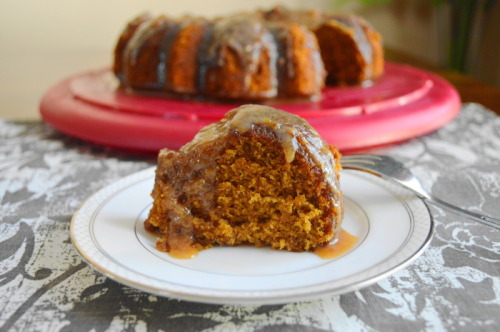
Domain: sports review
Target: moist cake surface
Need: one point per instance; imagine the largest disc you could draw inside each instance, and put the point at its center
(259, 177)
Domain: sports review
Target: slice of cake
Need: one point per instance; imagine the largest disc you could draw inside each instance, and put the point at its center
(260, 176)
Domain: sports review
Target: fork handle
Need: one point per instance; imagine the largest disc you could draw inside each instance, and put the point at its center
(489, 221)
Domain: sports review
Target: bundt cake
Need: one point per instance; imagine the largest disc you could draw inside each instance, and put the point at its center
(258, 56)
(351, 50)
(260, 176)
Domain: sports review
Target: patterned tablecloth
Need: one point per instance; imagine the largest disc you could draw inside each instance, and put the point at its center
(45, 286)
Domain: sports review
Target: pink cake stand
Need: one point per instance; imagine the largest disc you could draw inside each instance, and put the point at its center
(405, 103)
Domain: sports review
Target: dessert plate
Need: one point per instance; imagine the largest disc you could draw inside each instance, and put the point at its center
(392, 227)
(404, 103)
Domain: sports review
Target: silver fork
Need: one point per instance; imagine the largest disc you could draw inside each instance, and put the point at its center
(394, 171)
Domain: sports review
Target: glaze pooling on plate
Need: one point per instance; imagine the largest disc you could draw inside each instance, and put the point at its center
(393, 228)
(228, 258)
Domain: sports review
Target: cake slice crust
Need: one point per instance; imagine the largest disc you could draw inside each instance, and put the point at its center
(259, 177)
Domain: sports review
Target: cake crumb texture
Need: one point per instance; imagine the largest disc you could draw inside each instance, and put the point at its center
(253, 178)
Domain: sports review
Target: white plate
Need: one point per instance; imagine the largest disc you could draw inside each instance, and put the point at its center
(393, 228)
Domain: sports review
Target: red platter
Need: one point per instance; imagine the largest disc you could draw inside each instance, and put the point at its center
(406, 102)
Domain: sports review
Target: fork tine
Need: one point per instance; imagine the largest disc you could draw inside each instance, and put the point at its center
(363, 157)
(396, 172)
(359, 160)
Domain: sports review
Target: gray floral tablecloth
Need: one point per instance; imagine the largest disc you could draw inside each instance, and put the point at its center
(45, 286)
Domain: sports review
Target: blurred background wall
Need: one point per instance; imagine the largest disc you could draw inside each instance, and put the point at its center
(459, 34)
(45, 41)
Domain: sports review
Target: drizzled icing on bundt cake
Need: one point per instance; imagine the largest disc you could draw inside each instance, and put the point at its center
(259, 176)
(249, 56)
(351, 49)
(254, 46)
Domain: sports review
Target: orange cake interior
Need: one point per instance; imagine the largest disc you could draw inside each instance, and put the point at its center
(259, 177)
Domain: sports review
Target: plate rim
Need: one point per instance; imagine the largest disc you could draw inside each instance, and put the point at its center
(243, 297)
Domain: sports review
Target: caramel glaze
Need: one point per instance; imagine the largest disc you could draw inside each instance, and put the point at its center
(356, 30)
(291, 131)
(341, 245)
(338, 247)
(314, 19)
(259, 40)
(257, 44)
